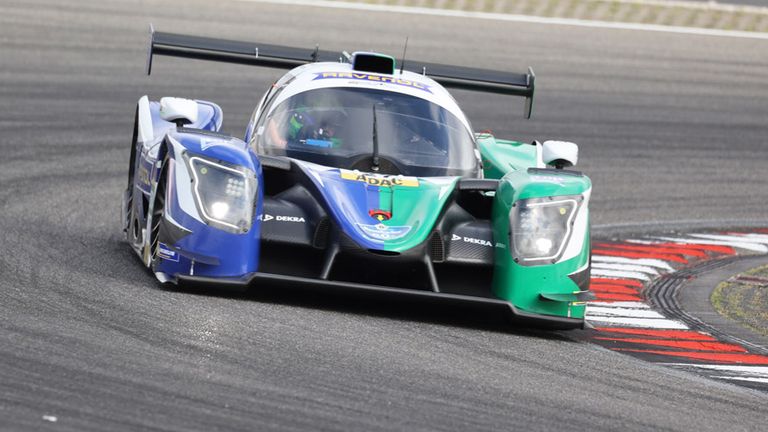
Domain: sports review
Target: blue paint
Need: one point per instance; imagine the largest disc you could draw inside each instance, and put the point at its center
(348, 202)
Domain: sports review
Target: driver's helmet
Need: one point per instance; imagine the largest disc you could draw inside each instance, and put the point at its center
(319, 127)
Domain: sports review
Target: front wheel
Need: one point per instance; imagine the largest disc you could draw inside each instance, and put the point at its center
(158, 213)
(130, 220)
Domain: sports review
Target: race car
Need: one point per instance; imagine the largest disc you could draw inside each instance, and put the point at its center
(356, 174)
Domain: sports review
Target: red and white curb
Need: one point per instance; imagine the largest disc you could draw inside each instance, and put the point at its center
(624, 320)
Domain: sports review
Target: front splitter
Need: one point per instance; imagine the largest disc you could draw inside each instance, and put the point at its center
(512, 313)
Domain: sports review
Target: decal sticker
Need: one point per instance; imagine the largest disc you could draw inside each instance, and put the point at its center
(383, 232)
(477, 241)
(372, 78)
(279, 218)
(379, 179)
(206, 143)
(166, 253)
(472, 240)
(380, 215)
(548, 179)
(289, 219)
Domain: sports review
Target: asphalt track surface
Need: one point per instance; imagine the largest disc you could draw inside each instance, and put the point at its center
(672, 129)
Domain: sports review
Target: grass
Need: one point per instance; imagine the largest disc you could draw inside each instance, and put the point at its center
(743, 301)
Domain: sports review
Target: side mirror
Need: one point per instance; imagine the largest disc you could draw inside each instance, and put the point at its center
(560, 154)
(178, 110)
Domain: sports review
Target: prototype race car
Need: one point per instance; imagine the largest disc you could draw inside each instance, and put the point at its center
(356, 175)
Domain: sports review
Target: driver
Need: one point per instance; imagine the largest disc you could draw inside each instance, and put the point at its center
(323, 131)
(303, 126)
(279, 136)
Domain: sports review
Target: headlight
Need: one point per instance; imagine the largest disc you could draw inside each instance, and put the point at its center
(540, 228)
(224, 194)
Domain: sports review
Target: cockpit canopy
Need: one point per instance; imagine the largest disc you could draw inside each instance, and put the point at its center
(338, 127)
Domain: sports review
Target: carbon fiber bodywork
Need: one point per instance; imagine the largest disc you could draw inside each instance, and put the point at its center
(512, 313)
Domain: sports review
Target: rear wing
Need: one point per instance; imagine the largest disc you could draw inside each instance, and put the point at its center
(283, 57)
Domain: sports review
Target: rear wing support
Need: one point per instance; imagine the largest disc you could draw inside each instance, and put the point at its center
(284, 57)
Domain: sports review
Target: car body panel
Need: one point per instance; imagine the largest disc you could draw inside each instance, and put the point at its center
(552, 278)
(335, 227)
(501, 156)
(388, 213)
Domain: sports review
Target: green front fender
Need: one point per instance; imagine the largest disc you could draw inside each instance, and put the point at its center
(548, 288)
(502, 156)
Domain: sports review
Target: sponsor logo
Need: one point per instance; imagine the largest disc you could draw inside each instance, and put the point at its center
(279, 218)
(477, 241)
(379, 179)
(372, 78)
(166, 253)
(472, 240)
(548, 179)
(383, 232)
(380, 215)
(206, 143)
(289, 219)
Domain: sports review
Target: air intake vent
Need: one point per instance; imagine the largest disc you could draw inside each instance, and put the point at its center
(436, 247)
(373, 62)
(320, 239)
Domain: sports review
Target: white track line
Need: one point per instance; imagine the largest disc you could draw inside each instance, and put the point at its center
(639, 261)
(593, 311)
(758, 374)
(730, 238)
(643, 242)
(760, 371)
(740, 378)
(619, 304)
(518, 18)
(616, 274)
(757, 236)
(626, 267)
(742, 245)
(649, 323)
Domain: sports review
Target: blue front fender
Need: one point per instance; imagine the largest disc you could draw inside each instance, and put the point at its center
(191, 246)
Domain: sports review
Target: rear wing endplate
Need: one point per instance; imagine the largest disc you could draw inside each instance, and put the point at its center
(284, 57)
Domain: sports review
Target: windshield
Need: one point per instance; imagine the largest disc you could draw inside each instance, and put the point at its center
(335, 127)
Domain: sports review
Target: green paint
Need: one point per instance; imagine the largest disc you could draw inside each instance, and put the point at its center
(502, 156)
(417, 207)
(521, 285)
(420, 206)
(517, 185)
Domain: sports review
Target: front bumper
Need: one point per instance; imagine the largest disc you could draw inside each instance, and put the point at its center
(268, 279)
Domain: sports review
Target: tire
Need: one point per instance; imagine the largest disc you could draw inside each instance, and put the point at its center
(130, 222)
(158, 214)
